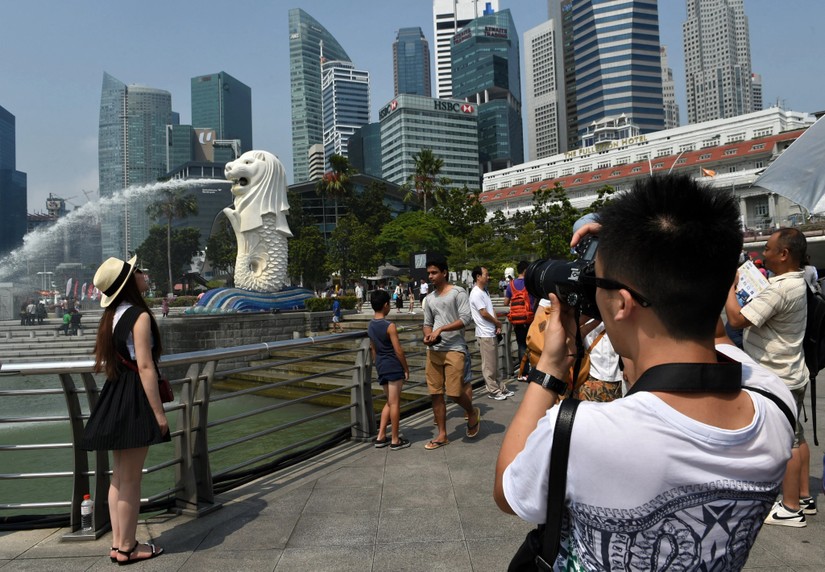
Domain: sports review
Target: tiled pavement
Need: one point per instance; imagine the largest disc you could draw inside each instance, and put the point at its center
(359, 508)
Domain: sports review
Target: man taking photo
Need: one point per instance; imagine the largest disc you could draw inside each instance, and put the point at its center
(681, 472)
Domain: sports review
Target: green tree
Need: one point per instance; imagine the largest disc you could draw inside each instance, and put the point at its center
(411, 232)
(369, 206)
(603, 197)
(554, 217)
(336, 184)
(222, 248)
(426, 181)
(185, 243)
(172, 204)
(461, 209)
(306, 257)
(352, 251)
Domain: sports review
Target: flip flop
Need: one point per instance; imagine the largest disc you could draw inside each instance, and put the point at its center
(472, 430)
(435, 444)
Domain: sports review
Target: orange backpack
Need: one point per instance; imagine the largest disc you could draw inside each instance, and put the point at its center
(521, 311)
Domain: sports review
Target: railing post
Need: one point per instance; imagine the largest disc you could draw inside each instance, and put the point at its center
(505, 352)
(193, 476)
(199, 417)
(362, 415)
(80, 484)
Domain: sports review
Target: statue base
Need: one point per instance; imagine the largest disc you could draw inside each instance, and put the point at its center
(232, 300)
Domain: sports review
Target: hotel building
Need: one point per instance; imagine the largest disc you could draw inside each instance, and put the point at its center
(725, 153)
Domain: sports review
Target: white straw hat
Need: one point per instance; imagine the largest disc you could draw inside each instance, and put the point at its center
(111, 277)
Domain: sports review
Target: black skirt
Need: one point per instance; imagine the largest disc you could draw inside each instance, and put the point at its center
(123, 418)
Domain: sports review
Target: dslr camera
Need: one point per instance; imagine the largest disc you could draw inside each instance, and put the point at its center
(568, 279)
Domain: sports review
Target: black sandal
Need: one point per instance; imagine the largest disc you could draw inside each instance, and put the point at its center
(113, 558)
(128, 553)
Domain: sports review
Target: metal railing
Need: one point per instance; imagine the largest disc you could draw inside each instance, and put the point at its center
(343, 377)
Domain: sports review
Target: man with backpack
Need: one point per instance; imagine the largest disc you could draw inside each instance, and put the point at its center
(774, 330)
(522, 309)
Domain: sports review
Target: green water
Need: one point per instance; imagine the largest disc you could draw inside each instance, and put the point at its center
(56, 489)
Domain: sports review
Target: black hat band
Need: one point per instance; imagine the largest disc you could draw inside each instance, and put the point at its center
(124, 274)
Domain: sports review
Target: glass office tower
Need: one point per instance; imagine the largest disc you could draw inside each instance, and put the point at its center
(410, 123)
(617, 61)
(13, 187)
(222, 103)
(411, 62)
(486, 72)
(345, 92)
(131, 151)
(305, 38)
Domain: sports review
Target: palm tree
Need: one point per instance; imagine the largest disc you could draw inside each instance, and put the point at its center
(426, 180)
(172, 204)
(335, 183)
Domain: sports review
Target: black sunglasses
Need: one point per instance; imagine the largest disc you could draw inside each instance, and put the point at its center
(608, 284)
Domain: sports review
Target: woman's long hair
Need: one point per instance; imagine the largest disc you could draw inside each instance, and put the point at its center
(106, 359)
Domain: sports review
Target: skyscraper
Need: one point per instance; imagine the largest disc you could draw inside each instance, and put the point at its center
(305, 37)
(449, 16)
(411, 62)
(617, 62)
(13, 187)
(756, 90)
(545, 97)
(410, 123)
(345, 92)
(131, 151)
(669, 94)
(486, 72)
(717, 60)
(222, 103)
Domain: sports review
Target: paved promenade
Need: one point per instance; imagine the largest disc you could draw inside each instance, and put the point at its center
(363, 509)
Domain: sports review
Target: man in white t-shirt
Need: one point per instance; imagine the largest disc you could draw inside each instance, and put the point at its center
(488, 327)
(693, 460)
(774, 328)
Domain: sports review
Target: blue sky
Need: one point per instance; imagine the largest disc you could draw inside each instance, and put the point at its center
(53, 54)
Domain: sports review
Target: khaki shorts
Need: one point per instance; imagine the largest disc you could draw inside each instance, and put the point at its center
(799, 433)
(445, 369)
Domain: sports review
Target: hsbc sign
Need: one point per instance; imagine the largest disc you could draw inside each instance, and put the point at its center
(387, 109)
(441, 105)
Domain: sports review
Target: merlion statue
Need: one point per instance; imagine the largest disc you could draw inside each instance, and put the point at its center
(259, 220)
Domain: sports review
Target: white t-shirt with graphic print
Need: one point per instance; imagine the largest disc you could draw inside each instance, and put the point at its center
(646, 482)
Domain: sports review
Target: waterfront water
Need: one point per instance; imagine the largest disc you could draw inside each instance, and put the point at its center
(57, 489)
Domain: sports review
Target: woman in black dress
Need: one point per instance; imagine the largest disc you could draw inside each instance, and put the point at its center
(129, 415)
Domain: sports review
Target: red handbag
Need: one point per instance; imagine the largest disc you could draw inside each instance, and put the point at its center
(164, 387)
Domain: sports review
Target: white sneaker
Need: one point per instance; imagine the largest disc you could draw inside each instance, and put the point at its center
(808, 505)
(508, 393)
(497, 396)
(783, 516)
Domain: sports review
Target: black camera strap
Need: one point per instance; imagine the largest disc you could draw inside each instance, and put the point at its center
(577, 365)
(725, 376)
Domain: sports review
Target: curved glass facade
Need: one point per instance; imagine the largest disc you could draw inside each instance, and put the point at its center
(131, 151)
(305, 38)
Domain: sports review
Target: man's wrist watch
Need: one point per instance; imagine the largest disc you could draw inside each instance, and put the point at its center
(547, 381)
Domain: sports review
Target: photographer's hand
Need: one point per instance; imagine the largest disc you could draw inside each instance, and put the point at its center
(589, 228)
(559, 340)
